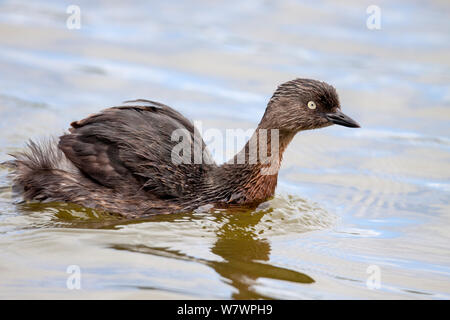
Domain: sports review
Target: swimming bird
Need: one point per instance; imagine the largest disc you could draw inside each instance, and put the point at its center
(121, 159)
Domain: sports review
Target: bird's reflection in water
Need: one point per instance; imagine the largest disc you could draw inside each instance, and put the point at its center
(244, 255)
(244, 251)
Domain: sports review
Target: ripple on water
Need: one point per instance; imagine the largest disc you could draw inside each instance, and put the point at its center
(290, 215)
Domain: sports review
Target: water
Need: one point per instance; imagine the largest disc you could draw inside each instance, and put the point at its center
(349, 201)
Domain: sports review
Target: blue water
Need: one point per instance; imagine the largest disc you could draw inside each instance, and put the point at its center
(346, 199)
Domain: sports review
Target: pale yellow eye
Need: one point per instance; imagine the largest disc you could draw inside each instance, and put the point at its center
(312, 105)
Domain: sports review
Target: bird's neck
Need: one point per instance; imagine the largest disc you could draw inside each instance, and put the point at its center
(251, 176)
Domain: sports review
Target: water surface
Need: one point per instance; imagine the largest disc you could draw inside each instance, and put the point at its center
(347, 199)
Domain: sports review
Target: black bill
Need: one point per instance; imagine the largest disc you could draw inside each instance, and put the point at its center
(341, 119)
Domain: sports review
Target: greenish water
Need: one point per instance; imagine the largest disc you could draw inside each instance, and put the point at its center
(347, 200)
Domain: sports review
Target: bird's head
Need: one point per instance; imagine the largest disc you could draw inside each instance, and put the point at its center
(304, 104)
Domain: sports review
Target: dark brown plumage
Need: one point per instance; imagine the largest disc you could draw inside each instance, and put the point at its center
(120, 159)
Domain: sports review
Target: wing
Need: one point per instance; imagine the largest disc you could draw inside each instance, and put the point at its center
(131, 147)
